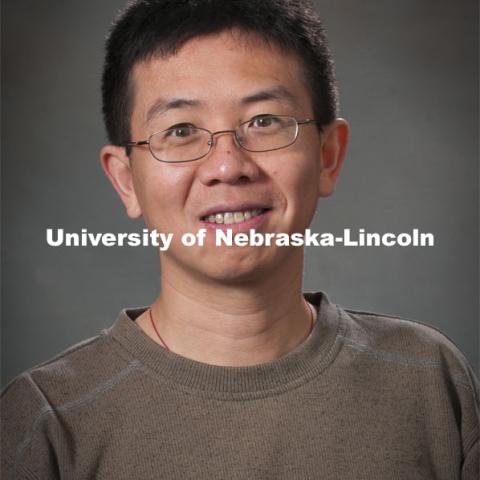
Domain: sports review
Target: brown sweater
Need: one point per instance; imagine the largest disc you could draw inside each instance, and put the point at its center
(364, 397)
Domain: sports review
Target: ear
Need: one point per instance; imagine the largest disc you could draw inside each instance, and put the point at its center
(116, 165)
(333, 148)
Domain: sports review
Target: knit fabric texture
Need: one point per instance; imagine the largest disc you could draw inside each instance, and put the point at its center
(365, 396)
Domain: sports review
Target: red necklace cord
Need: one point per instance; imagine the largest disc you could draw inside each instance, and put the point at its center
(156, 331)
(312, 317)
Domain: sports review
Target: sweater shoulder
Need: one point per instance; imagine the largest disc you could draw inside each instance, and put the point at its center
(409, 342)
(80, 368)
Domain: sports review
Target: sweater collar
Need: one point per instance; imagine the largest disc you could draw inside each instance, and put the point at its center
(298, 366)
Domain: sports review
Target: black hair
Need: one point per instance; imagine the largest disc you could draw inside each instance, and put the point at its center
(149, 27)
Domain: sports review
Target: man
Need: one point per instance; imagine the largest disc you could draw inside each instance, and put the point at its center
(223, 116)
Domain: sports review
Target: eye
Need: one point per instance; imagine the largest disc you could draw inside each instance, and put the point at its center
(181, 130)
(264, 121)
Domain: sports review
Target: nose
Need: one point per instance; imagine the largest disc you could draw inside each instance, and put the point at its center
(227, 162)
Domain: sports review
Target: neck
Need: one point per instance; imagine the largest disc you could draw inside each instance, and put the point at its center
(231, 325)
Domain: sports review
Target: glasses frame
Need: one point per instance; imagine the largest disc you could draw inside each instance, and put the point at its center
(211, 142)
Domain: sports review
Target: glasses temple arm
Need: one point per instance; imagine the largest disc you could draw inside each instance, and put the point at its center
(134, 144)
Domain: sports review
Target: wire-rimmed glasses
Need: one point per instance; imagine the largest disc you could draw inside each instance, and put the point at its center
(186, 143)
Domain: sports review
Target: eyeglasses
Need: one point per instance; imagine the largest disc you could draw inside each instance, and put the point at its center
(186, 142)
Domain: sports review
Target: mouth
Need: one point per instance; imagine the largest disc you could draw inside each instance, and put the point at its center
(233, 217)
(239, 217)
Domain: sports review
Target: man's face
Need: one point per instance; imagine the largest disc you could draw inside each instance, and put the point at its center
(217, 82)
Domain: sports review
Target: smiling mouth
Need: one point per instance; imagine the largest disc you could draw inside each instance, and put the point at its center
(227, 218)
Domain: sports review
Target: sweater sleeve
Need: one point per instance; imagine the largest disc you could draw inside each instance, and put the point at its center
(471, 465)
(27, 430)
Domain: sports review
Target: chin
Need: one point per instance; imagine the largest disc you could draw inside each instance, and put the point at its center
(237, 277)
(236, 266)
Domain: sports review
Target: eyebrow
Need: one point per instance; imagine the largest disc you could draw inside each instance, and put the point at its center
(161, 106)
(275, 93)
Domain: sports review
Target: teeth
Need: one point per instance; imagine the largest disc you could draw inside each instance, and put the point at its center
(228, 217)
(233, 217)
(238, 217)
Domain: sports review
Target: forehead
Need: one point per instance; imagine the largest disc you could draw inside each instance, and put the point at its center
(218, 71)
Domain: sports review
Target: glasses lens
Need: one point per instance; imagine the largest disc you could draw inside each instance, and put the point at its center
(180, 144)
(267, 132)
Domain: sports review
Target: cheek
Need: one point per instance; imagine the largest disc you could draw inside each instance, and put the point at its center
(299, 186)
(300, 178)
(161, 192)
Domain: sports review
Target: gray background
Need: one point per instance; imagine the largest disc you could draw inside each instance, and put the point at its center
(408, 77)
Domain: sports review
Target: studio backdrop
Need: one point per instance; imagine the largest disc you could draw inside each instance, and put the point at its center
(408, 79)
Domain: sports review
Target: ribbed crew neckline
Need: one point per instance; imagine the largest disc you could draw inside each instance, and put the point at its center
(307, 360)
